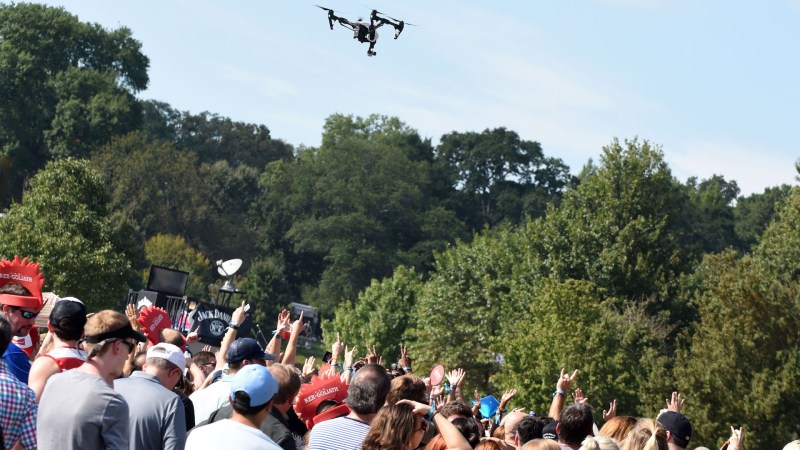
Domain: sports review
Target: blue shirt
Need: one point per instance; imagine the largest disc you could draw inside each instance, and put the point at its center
(18, 362)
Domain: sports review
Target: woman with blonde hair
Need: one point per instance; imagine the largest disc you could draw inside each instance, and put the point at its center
(618, 427)
(541, 444)
(599, 443)
(646, 435)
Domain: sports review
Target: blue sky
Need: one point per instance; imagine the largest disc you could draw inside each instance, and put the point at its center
(714, 83)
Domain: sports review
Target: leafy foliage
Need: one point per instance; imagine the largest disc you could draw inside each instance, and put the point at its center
(353, 209)
(620, 228)
(66, 87)
(381, 317)
(213, 137)
(743, 359)
(464, 306)
(63, 224)
(755, 212)
(502, 175)
(174, 252)
(568, 324)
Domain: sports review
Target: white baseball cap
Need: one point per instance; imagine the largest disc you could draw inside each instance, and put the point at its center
(169, 352)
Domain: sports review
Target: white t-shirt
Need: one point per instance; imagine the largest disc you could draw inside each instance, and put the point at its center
(210, 399)
(229, 434)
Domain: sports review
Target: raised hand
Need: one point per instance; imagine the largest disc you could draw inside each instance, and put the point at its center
(298, 326)
(308, 367)
(455, 377)
(404, 360)
(372, 355)
(612, 411)
(133, 316)
(349, 355)
(565, 381)
(336, 348)
(675, 403)
(239, 314)
(578, 396)
(194, 336)
(508, 396)
(736, 441)
(284, 321)
(477, 398)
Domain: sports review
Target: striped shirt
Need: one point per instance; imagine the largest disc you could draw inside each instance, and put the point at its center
(17, 410)
(342, 433)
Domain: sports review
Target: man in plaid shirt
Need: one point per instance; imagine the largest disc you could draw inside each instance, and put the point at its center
(17, 401)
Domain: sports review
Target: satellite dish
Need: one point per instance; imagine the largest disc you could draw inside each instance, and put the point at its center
(229, 267)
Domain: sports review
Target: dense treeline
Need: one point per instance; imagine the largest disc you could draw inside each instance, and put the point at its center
(480, 251)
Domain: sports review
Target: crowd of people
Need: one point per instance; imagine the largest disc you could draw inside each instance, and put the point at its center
(100, 381)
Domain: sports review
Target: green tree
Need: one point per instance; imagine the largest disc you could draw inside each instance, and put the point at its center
(572, 324)
(175, 253)
(66, 87)
(213, 137)
(709, 214)
(156, 185)
(465, 304)
(742, 360)
(756, 211)
(621, 227)
(63, 224)
(265, 288)
(380, 317)
(351, 211)
(504, 176)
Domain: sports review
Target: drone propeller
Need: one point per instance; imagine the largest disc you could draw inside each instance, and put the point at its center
(322, 7)
(396, 20)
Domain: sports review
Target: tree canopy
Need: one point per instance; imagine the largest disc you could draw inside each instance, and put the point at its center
(66, 88)
(63, 223)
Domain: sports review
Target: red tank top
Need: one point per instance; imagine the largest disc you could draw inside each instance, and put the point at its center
(67, 357)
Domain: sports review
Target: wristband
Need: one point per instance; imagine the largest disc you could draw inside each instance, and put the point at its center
(558, 392)
(407, 368)
(431, 412)
(348, 368)
(335, 364)
(233, 325)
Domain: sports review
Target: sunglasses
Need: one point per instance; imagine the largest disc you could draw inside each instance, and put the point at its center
(131, 346)
(27, 314)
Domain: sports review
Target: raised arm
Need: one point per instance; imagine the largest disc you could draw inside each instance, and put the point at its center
(455, 378)
(291, 346)
(237, 318)
(405, 361)
(274, 345)
(563, 384)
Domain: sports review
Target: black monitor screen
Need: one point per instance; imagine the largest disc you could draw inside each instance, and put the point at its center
(167, 281)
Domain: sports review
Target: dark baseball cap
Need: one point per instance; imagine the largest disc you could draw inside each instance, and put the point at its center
(677, 424)
(549, 431)
(246, 348)
(71, 308)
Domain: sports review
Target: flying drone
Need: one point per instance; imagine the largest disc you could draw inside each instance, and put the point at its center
(367, 31)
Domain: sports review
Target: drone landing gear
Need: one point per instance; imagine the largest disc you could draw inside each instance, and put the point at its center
(371, 53)
(399, 29)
